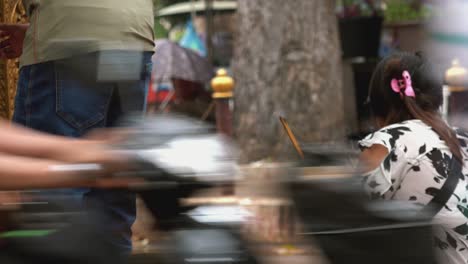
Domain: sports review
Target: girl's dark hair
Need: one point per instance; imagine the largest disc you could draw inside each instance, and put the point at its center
(392, 107)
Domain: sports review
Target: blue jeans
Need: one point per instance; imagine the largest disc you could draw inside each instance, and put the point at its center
(72, 96)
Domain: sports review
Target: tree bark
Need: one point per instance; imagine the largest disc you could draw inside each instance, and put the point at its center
(287, 62)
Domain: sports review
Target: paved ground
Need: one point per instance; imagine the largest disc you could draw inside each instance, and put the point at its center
(150, 254)
(154, 258)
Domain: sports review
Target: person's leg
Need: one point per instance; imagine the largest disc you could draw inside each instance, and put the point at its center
(20, 113)
(70, 97)
(54, 99)
(63, 97)
(128, 97)
(35, 107)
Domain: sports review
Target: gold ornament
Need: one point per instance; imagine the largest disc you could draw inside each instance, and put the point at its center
(222, 85)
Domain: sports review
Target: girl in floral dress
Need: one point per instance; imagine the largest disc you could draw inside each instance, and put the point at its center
(409, 157)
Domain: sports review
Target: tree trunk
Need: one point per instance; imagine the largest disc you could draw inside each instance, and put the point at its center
(287, 62)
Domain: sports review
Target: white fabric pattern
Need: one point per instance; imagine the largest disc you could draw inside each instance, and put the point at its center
(414, 170)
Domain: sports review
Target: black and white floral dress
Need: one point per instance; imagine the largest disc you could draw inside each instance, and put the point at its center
(414, 170)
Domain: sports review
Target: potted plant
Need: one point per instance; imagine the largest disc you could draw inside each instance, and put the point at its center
(404, 23)
(360, 26)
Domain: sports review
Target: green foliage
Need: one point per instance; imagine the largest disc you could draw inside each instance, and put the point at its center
(164, 3)
(358, 8)
(404, 10)
(159, 31)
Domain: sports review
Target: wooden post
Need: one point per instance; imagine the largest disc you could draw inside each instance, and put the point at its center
(223, 116)
(222, 86)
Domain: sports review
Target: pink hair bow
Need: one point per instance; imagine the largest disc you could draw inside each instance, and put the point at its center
(403, 85)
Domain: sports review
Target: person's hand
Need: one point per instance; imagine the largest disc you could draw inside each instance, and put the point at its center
(94, 151)
(95, 148)
(87, 153)
(11, 40)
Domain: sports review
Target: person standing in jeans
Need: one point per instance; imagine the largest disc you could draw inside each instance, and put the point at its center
(84, 64)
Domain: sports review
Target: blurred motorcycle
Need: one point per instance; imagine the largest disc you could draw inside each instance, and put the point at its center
(175, 157)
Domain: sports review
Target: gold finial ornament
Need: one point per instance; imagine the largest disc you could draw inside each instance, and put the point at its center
(222, 85)
(456, 77)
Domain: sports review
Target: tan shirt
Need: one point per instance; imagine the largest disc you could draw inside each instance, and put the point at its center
(65, 28)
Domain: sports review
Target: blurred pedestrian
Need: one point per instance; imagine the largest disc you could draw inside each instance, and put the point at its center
(83, 65)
